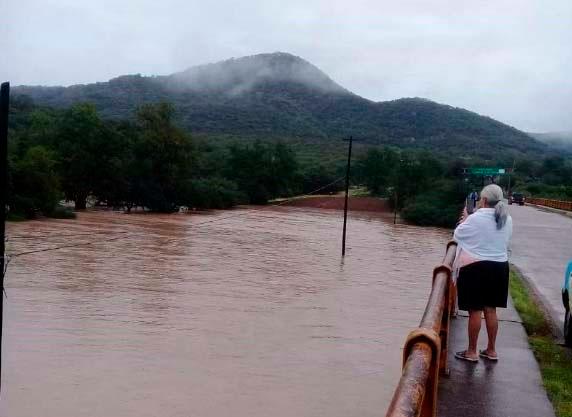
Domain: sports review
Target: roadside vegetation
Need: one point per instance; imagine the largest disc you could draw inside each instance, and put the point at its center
(426, 190)
(550, 177)
(555, 361)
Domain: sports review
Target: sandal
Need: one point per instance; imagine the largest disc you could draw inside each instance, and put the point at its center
(463, 356)
(483, 354)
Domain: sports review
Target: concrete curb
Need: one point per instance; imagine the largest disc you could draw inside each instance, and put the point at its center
(553, 317)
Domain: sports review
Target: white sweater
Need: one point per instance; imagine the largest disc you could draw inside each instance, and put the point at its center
(479, 237)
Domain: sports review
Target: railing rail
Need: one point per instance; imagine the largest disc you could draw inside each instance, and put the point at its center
(425, 350)
(557, 204)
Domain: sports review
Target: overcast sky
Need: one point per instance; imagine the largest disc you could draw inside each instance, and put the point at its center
(508, 59)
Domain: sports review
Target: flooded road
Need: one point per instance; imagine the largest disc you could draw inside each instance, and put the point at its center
(242, 313)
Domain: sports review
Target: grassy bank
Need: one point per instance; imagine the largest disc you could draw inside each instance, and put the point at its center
(554, 360)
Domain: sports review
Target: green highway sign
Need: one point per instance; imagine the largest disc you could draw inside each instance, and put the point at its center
(486, 171)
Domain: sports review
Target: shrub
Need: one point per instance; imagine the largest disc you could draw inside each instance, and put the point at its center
(210, 193)
(61, 212)
(440, 206)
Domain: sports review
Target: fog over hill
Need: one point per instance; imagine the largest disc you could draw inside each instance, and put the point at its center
(558, 140)
(280, 95)
(242, 75)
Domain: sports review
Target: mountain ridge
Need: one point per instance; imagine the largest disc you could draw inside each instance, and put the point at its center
(282, 95)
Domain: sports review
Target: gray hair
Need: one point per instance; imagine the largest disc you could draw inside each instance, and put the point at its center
(494, 195)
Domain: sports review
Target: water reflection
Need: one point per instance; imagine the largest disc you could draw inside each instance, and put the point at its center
(252, 315)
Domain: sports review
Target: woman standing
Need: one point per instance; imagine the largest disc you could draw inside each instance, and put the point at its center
(482, 257)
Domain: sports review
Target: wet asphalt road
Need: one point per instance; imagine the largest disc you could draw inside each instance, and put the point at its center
(541, 248)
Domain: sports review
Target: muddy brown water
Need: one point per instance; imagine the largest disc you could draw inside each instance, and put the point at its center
(243, 313)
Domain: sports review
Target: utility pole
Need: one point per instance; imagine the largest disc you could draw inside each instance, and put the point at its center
(395, 191)
(4, 107)
(347, 195)
(510, 176)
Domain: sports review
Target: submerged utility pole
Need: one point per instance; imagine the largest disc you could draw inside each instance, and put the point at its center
(395, 208)
(346, 201)
(4, 107)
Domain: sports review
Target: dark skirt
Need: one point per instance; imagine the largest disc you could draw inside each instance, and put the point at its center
(483, 284)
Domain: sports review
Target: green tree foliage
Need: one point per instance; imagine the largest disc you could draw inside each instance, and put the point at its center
(556, 171)
(86, 149)
(550, 177)
(439, 205)
(414, 174)
(378, 170)
(320, 177)
(262, 171)
(416, 183)
(210, 193)
(163, 157)
(34, 185)
(151, 163)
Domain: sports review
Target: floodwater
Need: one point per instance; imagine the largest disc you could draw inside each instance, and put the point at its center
(245, 313)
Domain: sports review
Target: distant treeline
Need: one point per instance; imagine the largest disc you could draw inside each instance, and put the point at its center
(430, 190)
(550, 177)
(73, 154)
(426, 190)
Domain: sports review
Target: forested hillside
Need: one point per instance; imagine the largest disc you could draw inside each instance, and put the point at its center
(283, 96)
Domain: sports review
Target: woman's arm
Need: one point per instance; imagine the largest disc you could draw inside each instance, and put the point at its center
(466, 230)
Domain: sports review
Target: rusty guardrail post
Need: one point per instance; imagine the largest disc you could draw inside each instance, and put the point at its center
(445, 317)
(430, 338)
(450, 302)
(425, 349)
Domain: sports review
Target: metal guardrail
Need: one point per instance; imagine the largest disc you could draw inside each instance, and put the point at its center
(425, 350)
(557, 204)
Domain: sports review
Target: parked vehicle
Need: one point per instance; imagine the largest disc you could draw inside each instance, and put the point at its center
(516, 198)
(567, 305)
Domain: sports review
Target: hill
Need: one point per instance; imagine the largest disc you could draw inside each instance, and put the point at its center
(283, 96)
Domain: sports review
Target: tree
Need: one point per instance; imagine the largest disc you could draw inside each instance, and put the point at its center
(163, 157)
(262, 171)
(317, 176)
(377, 169)
(34, 183)
(83, 147)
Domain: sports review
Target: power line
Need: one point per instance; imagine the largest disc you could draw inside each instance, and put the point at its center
(269, 205)
(50, 235)
(15, 255)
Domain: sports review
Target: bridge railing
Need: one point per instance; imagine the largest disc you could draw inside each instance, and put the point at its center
(557, 204)
(425, 350)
